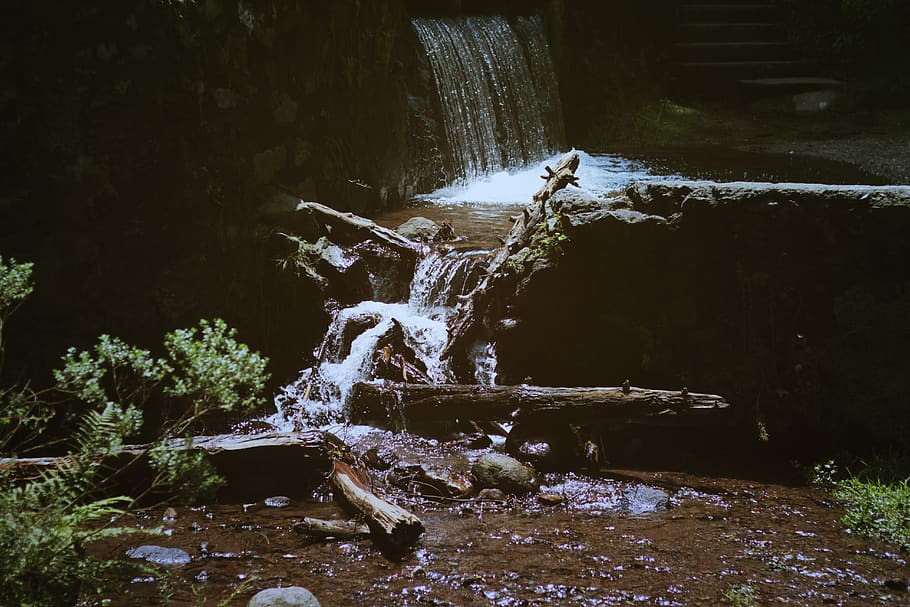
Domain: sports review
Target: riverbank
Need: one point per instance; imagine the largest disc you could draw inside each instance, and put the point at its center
(874, 141)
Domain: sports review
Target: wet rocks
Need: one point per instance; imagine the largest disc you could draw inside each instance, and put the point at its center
(496, 470)
(277, 501)
(665, 284)
(433, 481)
(159, 555)
(292, 596)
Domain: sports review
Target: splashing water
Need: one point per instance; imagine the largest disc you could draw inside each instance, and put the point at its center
(347, 353)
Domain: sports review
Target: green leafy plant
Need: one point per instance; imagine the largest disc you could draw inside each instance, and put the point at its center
(47, 517)
(877, 498)
(741, 595)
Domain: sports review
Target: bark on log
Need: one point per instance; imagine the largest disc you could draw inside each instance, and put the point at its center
(391, 526)
(322, 529)
(472, 311)
(297, 462)
(418, 403)
(348, 228)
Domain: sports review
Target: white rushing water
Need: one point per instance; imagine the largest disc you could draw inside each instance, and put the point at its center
(600, 175)
(347, 354)
(497, 89)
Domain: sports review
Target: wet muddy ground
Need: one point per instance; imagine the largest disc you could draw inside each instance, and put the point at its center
(618, 538)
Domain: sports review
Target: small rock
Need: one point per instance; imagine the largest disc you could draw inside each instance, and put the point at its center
(550, 499)
(642, 500)
(419, 229)
(292, 596)
(503, 472)
(278, 501)
(169, 515)
(168, 557)
(374, 460)
(495, 495)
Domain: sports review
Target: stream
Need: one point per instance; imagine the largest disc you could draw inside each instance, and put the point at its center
(689, 533)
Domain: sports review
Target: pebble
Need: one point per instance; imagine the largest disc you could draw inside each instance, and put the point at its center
(292, 596)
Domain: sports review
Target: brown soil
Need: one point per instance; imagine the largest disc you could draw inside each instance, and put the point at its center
(713, 538)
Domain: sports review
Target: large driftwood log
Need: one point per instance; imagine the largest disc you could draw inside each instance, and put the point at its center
(348, 228)
(473, 308)
(391, 526)
(419, 403)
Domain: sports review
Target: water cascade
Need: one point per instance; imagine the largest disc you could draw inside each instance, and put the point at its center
(497, 90)
(348, 350)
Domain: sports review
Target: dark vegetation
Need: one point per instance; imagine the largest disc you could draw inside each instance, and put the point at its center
(859, 41)
(103, 396)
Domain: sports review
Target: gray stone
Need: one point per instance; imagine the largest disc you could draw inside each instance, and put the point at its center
(292, 596)
(642, 500)
(278, 501)
(418, 228)
(814, 101)
(506, 473)
(168, 557)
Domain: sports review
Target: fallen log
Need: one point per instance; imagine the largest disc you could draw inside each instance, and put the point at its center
(322, 529)
(473, 308)
(392, 527)
(347, 228)
(420, 403)
(304, 457)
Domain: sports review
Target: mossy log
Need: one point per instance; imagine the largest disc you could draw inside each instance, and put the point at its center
(348, 228)
(473, 307)
(420, 403)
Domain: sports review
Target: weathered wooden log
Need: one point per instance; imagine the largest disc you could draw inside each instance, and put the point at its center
(419, 403)
(348, 228)
(392, 527)
(322, 529)
(305, 457)
(473, 308)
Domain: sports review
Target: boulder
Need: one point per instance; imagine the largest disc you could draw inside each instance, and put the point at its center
(292, 596)
(499, 471)
(419, 229)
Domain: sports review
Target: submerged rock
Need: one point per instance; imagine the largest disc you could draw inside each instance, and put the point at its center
(499, 471)
(292, 596)
(167, 557)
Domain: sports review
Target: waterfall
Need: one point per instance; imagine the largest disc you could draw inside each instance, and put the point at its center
(497, 90)
(348, 350)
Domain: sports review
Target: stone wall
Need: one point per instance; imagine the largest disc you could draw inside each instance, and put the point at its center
(790, 300)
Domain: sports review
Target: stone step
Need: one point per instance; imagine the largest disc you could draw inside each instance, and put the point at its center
(735, 51)
(743, 70)
(731, 32)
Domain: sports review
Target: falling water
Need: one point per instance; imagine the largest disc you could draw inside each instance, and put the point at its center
(497, 89)
(347, 354)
